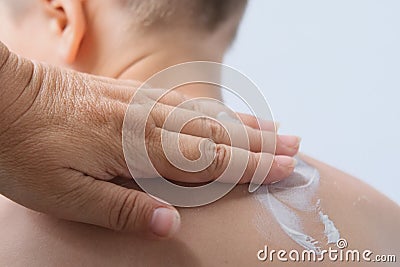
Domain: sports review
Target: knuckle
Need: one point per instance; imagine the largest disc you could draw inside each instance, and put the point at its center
(220, 161)
(217, 132)
(124, 214)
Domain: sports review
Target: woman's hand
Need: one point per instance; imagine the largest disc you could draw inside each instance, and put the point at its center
(61, 142)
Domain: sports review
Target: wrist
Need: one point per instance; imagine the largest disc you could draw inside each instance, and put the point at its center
(18, 85)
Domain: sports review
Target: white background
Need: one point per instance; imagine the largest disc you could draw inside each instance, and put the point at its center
(331, 73)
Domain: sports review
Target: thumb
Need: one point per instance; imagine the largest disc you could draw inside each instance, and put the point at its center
(121, 209)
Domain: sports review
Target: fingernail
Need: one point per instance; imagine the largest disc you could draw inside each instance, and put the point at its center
(289, 140)
(165, 222)
(285, 161)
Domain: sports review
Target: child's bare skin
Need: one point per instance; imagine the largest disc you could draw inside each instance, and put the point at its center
(223, 233)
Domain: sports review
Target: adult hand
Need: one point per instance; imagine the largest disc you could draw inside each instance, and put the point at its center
(60, 144)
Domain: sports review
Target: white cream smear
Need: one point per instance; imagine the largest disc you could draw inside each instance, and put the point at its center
(293, 200)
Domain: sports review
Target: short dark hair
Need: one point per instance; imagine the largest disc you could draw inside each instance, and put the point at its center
(206, 14)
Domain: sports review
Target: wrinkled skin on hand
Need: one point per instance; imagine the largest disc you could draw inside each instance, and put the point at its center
(61, 141)
(60, 136)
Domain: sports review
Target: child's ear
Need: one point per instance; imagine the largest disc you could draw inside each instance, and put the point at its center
(68, 21)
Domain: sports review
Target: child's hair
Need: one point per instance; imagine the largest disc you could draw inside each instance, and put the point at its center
(145, 14)
(202, 14)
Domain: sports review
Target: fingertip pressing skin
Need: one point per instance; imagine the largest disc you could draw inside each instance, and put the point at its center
(290, 140)
(281, 168)
(285, 162)
(287, 145)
